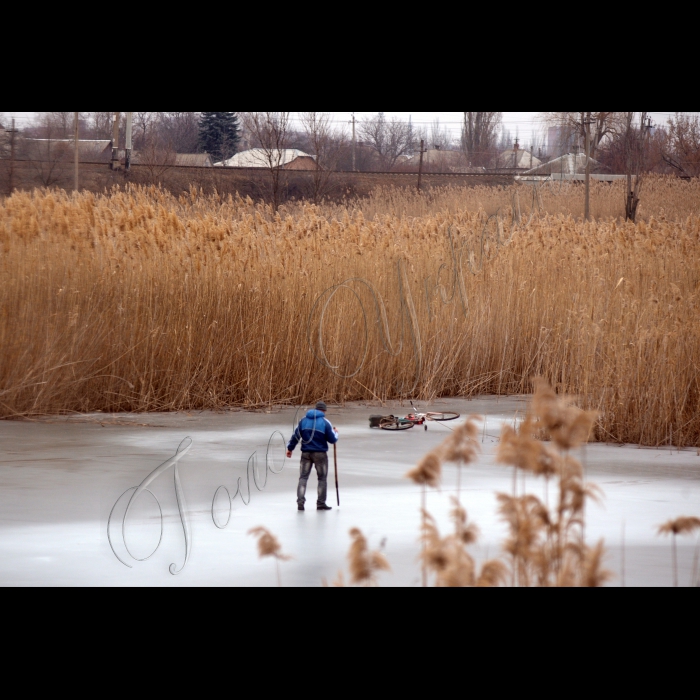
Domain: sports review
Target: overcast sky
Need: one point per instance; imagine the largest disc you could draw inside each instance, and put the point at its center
(522, 123)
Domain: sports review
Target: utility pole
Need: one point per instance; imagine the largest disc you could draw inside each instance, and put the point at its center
(129, 133)
(588, 123)
(76, 148)
(420, 165)
(11, 179)
(115, 141)
(638, 146)
(354, 143)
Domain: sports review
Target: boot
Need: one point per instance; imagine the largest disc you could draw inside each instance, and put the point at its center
(324, 507)
(301, 509)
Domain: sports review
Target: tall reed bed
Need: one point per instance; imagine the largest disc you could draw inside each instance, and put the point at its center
(140, 301)
(662, 197)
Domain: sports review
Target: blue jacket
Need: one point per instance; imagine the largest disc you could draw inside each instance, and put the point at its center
(314, 433)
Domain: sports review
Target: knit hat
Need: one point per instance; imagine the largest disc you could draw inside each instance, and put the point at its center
(320, 406)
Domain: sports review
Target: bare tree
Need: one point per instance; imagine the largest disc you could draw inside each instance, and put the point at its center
(49, 154)
(62, 124)
(636, 130)
(157, 158)
(328, 145)
(390, 139)
(144, 126)
(56, 125)
(683, 151)
(440, 137)
(100, 125)
(180, 130)
(269, 131)
(480, 132)
(603, 125)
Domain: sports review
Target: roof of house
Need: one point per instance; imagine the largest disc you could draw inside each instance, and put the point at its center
(194, 160)
(88, 149)
(260, 158)
(101, 143)
(438, 155)
(569, 164)
(524, 159)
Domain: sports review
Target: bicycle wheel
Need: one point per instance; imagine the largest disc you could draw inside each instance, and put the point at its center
(443, 417)
(395, 424)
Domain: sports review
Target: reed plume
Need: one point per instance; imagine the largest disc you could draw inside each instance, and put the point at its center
(467, 533)
(269, 547)
(680, 526)
(520, 449)
(493, 574)
(594, 576)
(567, 425)
(547, 546)
(461, 447)
(446, 558)
(428, 472)
(364, 564)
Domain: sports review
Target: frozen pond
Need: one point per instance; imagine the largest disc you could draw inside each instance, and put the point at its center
(60, 478)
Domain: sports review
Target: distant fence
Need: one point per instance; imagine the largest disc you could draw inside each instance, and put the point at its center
(97, 176)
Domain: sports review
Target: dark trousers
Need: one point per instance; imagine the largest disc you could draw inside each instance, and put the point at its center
(308, 461)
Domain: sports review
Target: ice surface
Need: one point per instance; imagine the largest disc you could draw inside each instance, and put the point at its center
(60, 478)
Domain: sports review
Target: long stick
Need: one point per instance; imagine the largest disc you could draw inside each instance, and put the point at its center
(337, 487)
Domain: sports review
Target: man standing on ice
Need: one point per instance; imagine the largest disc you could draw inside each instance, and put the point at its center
(315, 434)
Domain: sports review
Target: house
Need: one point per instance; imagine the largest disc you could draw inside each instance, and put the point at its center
(285, 159)
(437, 160)
(572, 167)
(518, 159)
(91, 150)
(569, 164)
(193, 160)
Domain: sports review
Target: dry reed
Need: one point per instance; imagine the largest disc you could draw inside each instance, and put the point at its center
(546, 546)
(365, 564)
(680, 526)
(140, 301)
(269, 547)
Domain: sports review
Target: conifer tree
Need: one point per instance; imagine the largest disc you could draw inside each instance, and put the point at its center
(219, 134)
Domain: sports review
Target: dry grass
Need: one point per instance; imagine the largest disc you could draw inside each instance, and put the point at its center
(365, 565)
(662, 197)
(139, 301)
(269, 547)
(546, 546)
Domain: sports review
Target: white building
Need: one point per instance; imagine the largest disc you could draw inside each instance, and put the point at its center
(286, 159)
(518, 159)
